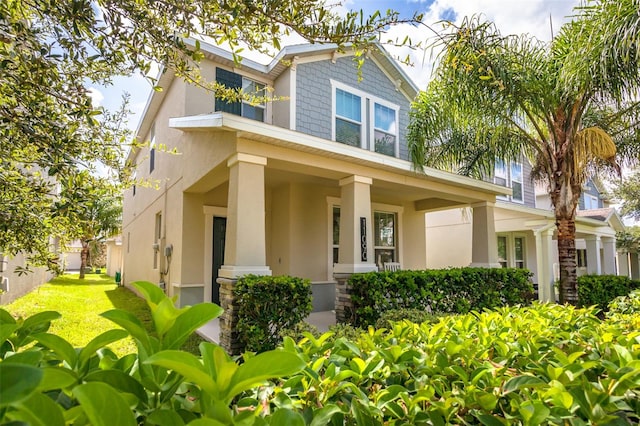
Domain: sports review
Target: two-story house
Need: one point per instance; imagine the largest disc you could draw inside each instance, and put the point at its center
(316, 184)
(525, 231)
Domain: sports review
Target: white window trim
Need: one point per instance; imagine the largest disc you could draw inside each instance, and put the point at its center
(511, 247)
(510, 181)
(372, 112)
(262, 106)
(594, 200)
(367, 116)
(268, 88)
(375, 207)
(521, 182)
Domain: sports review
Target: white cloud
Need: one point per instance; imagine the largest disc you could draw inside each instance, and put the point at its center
(96, 96)
(511, 17)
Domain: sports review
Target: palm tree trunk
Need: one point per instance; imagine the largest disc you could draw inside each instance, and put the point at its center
(84, 254)
(567, 258)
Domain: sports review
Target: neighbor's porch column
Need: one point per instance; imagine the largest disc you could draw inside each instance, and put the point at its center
(609, 252)
(623, 264)
(245, 242)
(484, 248)
(544, 265)
(594, 265)
(356, 239)
(634, 265)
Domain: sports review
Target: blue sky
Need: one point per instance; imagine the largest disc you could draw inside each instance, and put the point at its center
(511, 16)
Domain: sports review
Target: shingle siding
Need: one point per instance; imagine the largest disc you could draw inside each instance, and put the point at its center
(529, 187)
(590, 189)
(313, 94)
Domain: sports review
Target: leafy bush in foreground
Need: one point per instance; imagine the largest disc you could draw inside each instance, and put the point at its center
(625, 305)
(44, 380)
(542, 364)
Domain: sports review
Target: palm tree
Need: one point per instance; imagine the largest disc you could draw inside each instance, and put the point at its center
(569, 105)
(101, 219)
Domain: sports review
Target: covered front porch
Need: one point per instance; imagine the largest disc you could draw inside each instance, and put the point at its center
(258, 199)
(290, 203)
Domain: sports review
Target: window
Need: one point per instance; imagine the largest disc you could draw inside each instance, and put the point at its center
(152, 149)
(510, 176)
(502, 251)
(365, 121)
(244, 108)
(581, 258)
(336, 233)
(518, 245)
(516, 182)
(385, 130)
(384, 236)
(590, 202)
(348, 118)
(385, 232)
(511, 251)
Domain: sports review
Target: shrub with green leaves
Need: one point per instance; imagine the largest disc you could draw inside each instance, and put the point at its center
(599, 290)
(545, 364)
(625, 305)
(267, 305)
(417, 316)
(456, 290)
(46, 381)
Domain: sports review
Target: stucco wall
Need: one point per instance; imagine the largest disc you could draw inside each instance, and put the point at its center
(19, 285)
(313, 94)
(449, 236)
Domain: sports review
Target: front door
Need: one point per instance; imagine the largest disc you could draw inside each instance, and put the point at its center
(219, 232)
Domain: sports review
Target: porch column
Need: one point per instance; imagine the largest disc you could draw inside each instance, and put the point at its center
(245, 241)
(356, 240)
(593, 255)
(623, 264)
(484, 248)
(544, 265)
(609, 251)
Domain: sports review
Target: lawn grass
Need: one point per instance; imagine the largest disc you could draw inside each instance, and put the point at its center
(80, 302)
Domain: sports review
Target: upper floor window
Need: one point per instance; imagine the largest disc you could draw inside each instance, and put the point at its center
(510, 176)
(244, 108)
(365, 121)
(348, 118)
(591, 202)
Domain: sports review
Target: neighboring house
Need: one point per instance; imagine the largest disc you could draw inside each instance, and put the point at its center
(316, 185)
(525, 228)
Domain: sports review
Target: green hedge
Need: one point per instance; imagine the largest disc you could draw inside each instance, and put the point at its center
(268, 305)
(456, 290)
(599, 290)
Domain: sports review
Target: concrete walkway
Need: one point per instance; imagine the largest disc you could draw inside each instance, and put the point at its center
(323, 320)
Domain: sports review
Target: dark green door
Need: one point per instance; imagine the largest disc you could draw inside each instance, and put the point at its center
(219, 232)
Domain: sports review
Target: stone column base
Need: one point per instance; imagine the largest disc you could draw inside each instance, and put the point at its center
(229, 337)
(345, 313)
